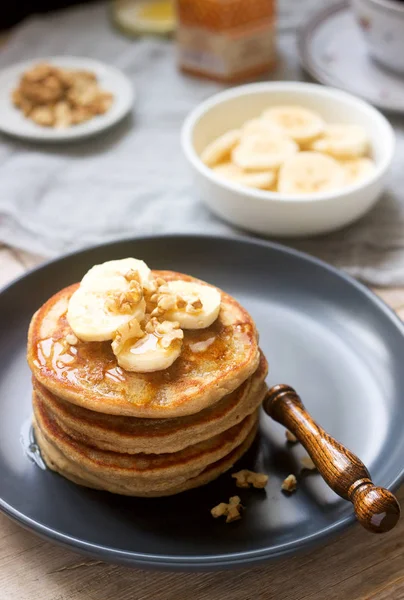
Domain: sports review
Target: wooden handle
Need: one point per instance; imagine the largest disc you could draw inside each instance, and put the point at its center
(375, 508)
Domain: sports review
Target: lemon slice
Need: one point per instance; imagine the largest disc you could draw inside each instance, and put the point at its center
(145, 16)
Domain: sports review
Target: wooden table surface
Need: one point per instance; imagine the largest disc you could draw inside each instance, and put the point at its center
(356, 565)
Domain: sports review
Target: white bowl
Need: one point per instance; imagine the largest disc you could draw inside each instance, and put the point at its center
(272, 213)
(382, 23)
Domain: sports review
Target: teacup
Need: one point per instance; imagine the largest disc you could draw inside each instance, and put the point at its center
(382, 22)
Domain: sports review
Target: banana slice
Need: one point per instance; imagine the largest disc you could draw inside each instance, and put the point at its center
(115, 275)
(258, 126)
(301, 124)
(261, 181)
(220, 148)
(95, 316)
(343, 141)
(357, 169)
(263, 151)
(154, 349)
(192, 305)
(309, 173)
(109, 295)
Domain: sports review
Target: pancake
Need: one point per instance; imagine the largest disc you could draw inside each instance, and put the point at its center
(56, 461)
(133, 435)
(213, 363)
(142, 471)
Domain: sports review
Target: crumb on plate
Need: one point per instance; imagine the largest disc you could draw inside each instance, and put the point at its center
(289, 484)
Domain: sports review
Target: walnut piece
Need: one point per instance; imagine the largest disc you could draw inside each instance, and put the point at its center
(246, 478)
(129, 331)
(123, 303)
(289, 484)
(43, 115)
(167, 331)
(307, 463)
(292, 439)
(132, 275)
(232, 510)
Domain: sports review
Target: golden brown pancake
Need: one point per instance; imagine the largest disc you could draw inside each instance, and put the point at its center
(133, 435)
(56, 461)
(142, 471)
(214, 362)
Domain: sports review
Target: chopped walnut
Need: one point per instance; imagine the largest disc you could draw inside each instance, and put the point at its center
(151, 325)
(123, 303)
(197, 304)
(166, 302)
(232, 510)
(173, 333)
(292, 439)
(181, 303)
(62, 114)
(157, 312)
(246, 478)
(307, 463)
(128, 331)
(42, 115)
(132, 275)
(168, 331)
(289, 484)
(71, 339)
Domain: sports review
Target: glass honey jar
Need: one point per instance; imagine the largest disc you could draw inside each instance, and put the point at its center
(226, 40)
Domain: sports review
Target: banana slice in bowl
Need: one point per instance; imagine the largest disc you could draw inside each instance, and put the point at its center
(343, 141)
(357, 169)
(263, 151)
(261, 180)
(220, 148)
(299, 123)
(310, 173)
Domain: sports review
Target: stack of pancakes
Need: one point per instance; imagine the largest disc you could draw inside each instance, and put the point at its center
(145, 434)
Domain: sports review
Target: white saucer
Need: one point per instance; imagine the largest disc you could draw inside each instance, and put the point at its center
(333, 51)
(13, 122)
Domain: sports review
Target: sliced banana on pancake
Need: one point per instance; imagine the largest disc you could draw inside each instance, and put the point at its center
(343, 141)
(116, 275)
(357, 169)
(192, 305)
(309, 173)
(154, 349)
(263, 151)
(299, 123)
(95, 316)
(110, 295)
(220, 148)
(260, 180)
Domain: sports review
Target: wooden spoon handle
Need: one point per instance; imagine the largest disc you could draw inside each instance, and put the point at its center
(375, 508)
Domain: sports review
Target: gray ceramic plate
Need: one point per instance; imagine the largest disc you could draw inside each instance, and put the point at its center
(323, 333)
(332, 49)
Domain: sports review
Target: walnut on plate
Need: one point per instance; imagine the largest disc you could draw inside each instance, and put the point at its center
(289, 484)
(246, 479)
(232, 510)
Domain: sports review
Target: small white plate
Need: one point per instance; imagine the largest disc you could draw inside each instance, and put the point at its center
(13, 122)
(333, 51)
